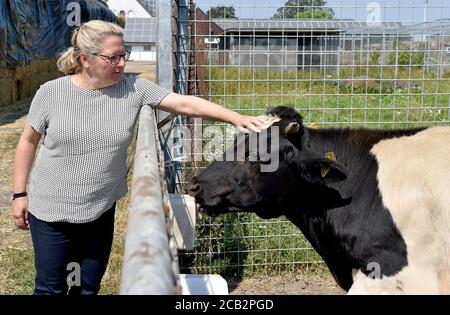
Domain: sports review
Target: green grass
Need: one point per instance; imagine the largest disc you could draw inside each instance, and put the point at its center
(111, 280)
(242, 245)
(18, 270)
(385, 103)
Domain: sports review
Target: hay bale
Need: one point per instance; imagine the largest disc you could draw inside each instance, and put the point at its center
(23, 81)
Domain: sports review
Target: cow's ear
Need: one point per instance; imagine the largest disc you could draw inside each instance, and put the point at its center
(319, 170)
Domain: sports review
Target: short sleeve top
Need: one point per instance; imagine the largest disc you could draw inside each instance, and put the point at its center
(80, 169)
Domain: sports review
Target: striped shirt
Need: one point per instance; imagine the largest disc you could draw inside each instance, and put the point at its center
(80, 170)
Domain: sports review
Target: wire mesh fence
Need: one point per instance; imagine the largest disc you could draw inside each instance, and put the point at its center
(340, 63)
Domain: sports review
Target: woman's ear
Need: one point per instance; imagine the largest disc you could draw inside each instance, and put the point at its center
(84, 60)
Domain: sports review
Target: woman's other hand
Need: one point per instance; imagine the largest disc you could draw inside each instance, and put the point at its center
(20, 212)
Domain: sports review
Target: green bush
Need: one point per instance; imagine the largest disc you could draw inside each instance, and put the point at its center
(238, 245)
(374, 57)
(414, 59)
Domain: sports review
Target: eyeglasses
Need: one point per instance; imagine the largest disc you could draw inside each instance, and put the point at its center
(115, 59)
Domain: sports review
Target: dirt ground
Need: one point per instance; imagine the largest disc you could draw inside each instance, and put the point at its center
(11, 238)
(145, 69)
(285, 285)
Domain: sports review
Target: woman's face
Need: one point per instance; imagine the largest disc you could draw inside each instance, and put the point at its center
(104, 68)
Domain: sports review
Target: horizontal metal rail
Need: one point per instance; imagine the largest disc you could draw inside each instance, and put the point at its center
(147, 265)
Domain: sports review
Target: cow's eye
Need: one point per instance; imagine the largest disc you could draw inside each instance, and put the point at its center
(266, 161)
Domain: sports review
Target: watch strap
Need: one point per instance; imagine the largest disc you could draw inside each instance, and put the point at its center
(18, 195)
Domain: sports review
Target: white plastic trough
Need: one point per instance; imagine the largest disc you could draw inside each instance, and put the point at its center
(203, 285)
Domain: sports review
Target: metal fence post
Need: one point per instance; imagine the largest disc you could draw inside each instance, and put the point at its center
(182, 49)
(165, 78)
(164, 65)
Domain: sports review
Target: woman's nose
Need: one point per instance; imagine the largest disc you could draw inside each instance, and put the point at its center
(121, 63)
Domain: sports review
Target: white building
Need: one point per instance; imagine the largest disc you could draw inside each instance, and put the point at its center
(130, 8)
(140, 38)
(140, 27)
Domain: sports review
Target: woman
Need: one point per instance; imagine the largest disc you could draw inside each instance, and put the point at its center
(87, 118)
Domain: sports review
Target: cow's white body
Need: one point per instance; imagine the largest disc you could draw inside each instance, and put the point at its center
(414, 182)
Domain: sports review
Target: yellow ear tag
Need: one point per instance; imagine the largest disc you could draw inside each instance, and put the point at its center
(313, 125)
(331, 156)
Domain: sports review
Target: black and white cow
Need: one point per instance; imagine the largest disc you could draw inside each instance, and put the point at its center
(382, 206)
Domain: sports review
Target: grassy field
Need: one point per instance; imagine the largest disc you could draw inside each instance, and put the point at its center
(376, 98)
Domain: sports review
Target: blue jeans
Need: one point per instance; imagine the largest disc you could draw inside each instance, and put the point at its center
(71, 258)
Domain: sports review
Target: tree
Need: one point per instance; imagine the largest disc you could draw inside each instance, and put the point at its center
(314, 15)
(304, 9)
(221, 13)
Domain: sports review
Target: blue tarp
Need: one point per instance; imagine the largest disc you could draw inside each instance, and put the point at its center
(38, 29)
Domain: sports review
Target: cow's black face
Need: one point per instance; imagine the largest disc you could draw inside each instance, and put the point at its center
(246, 185)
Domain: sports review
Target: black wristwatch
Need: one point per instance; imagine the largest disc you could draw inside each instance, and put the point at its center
(18, 195)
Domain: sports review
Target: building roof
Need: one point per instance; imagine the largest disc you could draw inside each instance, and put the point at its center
(230, 25)
(140, 30)
(149, 6)
(440, 26)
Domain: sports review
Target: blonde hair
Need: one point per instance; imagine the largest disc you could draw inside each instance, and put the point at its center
(86, 38)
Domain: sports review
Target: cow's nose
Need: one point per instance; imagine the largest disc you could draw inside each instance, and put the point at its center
(293, 127)
(193, 188)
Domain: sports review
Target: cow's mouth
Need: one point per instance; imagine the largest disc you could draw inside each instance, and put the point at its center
(216, 210)
(212, 211)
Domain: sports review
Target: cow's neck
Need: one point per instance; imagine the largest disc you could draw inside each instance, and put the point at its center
(351, 146)
(363, 232)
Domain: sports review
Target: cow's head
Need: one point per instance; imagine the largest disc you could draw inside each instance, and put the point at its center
(243, 185)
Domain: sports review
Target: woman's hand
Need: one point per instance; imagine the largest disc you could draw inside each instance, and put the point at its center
(250, 123)
(20, 212)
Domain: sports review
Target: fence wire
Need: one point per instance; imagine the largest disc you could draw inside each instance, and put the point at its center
(339, 63)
